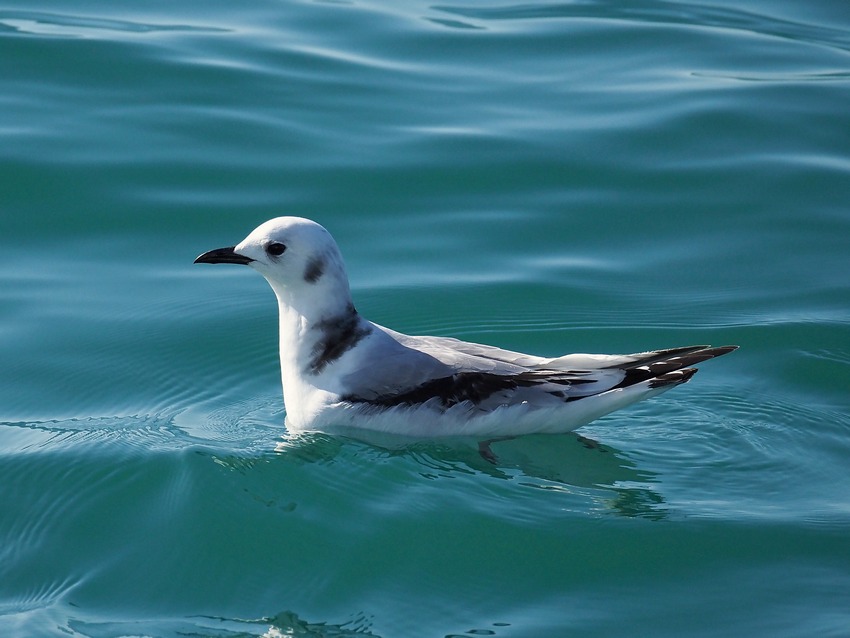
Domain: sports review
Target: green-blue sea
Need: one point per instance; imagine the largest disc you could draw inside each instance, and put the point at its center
(545, 176)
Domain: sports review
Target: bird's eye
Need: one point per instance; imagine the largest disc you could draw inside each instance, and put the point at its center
(275, 249)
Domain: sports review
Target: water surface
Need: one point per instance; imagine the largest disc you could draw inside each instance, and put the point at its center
(595, 176)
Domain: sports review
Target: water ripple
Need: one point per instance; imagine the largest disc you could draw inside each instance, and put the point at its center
(276, 626)
(75, 26)
(653, 12)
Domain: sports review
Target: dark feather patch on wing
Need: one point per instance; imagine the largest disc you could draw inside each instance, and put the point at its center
(662, 368)
(474, 387)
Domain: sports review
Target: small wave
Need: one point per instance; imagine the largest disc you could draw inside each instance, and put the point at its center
(728, 455)
(114, 432)
(282, 624)
(63, 25)
(654, 12)
(779, 77)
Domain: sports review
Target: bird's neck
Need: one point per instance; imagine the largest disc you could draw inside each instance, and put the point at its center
(315, 331)
(312, 346)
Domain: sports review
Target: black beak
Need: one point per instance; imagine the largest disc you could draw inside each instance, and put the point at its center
(223, 256)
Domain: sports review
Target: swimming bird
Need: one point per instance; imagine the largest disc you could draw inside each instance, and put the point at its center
(340, 370)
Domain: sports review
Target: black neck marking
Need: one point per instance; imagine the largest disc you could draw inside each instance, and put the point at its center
(336, 336)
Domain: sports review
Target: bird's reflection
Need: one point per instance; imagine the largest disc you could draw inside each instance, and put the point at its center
(566, 461)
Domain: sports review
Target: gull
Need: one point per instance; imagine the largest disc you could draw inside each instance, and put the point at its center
(339, 370)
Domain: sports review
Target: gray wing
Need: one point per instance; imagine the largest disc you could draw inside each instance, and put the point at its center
(444, 372)
(567, 362)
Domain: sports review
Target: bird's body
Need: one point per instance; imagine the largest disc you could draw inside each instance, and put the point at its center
(340, 370)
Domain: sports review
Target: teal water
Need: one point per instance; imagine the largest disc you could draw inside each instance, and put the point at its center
(599, 176)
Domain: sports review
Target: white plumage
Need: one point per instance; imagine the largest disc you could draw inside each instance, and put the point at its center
(340, 370)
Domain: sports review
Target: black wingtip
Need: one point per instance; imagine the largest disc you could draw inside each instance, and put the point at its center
(673, 378)
(721, 350)
(670, 367)
(704, 354)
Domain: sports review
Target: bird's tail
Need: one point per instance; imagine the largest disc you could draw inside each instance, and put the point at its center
(667, 367)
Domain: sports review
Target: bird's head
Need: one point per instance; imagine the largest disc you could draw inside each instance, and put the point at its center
(298, 257)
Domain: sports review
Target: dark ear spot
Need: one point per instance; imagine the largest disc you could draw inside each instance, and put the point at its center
(314, 270)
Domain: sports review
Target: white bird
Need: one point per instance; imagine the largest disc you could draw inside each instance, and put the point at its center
(340, 370)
